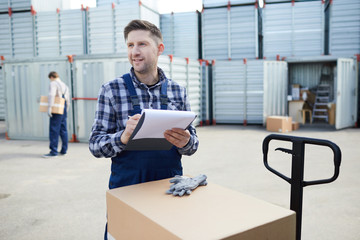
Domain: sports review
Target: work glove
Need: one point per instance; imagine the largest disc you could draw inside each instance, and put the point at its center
(182, 185)
(49, 112)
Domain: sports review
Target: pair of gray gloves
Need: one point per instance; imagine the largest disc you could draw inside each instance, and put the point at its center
(181, 184)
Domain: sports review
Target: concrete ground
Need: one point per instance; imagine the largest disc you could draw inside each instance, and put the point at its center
(64, 197)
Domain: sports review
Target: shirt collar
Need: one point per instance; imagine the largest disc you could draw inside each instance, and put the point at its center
(161, 74)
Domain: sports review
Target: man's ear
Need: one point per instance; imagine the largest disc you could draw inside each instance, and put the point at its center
(161, 48)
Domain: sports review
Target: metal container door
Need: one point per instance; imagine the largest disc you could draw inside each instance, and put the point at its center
(346, 98)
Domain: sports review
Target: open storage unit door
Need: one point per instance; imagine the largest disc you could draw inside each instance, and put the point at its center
(346, 93)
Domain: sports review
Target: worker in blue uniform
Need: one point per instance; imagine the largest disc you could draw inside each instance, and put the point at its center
(119, 105)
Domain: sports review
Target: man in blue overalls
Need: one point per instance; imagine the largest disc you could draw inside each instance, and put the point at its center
(119, 105)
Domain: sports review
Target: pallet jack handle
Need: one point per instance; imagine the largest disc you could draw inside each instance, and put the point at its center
(297, 169)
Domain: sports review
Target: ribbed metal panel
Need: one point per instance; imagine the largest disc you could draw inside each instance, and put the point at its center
(244, 32)
(344, 28)
(100, 30)
(254, 91)
(346, 93)
(152, 4)
(2, 95)
(47, 34)
(293, 29)
(181, 34)
(230, 33)
(5, 36)
(26, 81)
(215, 33)
(218, 3)
(308, 27)
(71, 32)
(133, 11)
(205, 93)
(22, 28)
(275, 88)
(228, 88)
(4, 6)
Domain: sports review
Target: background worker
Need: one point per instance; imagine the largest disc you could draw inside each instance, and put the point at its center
(57, 126)
(118, 111)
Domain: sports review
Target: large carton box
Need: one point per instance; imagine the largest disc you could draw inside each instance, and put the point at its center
(58, 107)
(279, 124)
(145, 211)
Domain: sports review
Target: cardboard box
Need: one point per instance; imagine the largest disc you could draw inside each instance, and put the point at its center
(332, 114)
(145, 211)
(279, 124)
(58, 107)
(295, 126)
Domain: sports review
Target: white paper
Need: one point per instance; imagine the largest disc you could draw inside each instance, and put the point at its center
(156, 122)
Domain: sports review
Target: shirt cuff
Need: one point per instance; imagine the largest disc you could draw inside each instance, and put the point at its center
(116, 142)
(188, 146)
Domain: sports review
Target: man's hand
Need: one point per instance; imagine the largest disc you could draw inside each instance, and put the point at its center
(49, 112)
(129, 129)
(177, 136)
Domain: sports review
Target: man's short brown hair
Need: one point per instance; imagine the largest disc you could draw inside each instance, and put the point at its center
(53, 75)
(143, 25)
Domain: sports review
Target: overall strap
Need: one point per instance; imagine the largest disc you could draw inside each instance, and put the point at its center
(133, 96)
(163, 95)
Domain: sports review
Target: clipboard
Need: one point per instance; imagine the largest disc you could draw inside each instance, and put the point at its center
(149, 132)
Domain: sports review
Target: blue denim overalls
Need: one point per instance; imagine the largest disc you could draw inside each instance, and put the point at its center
(132, 167)
(58, 127)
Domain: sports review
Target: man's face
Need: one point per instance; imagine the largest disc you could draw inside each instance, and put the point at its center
(143, 51)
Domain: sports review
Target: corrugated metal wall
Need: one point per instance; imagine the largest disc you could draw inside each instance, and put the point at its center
(230, 33)
(26, 81)
(2, 95)
(38, 5)
(22, 34)
(293, 29)
(100, 30)
(72, 36)
(5, 36)
(47, 34)
(241, 94)
(218, 3)
(344, 35)
(181, 34)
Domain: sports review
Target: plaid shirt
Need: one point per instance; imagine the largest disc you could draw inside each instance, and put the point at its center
(113, 110)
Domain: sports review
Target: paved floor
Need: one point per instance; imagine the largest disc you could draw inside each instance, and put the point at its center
(64, 198)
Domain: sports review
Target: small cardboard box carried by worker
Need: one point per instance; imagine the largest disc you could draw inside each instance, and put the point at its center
(145, 211)
(57, 108)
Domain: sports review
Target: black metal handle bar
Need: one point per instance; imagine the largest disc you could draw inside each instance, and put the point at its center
(297, 173)
(302, 141)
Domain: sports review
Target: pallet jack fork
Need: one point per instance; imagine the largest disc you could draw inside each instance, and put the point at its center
(297, 169)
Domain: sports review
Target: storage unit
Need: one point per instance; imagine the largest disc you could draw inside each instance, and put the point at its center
(90, 72)
(230, 32)
(38, 5)
(249, 91)
(181, 34)
(293, 29)
(344, 28)
(26, 81)
(339, 73)
(222, 3)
